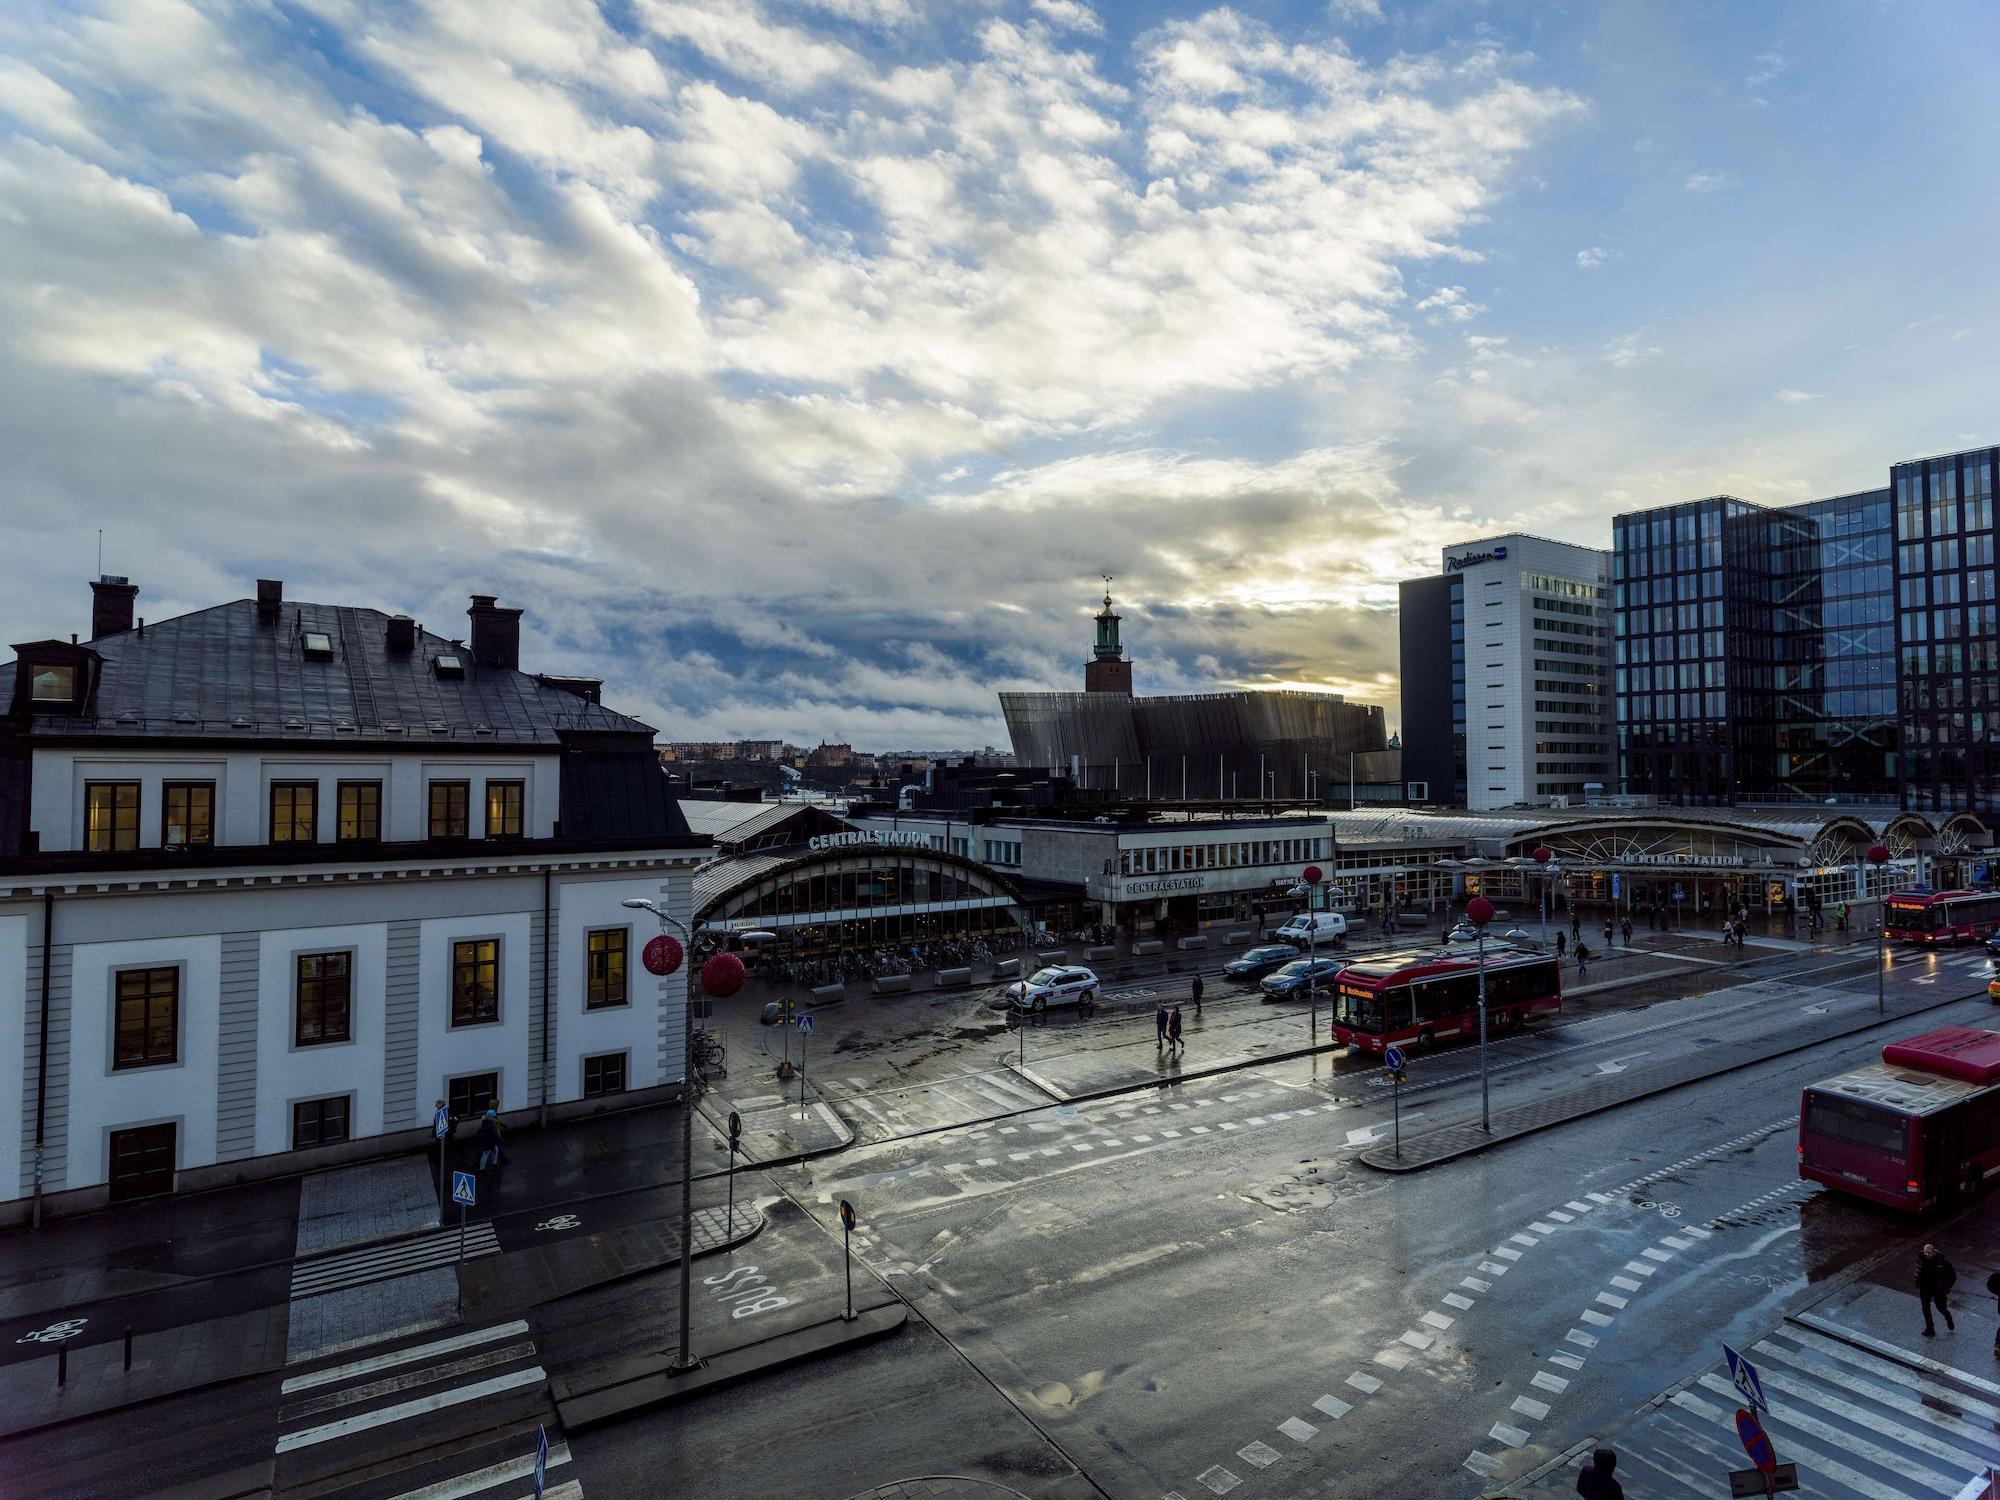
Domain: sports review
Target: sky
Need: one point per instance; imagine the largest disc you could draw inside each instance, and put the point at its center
(799, 365)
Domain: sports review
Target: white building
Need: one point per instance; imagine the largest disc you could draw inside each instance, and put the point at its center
(275, 877)
(1537, 665)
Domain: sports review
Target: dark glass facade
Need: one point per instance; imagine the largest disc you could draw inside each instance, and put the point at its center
(1431, 618)
(1755, 652)
(1950, 679)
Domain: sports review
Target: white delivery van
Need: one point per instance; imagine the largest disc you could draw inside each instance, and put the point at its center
(1308, 926)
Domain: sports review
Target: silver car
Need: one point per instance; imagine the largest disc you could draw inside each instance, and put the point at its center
(1057, 985)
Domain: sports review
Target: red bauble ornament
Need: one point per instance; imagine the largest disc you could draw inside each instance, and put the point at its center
(722, 976)
(662, 955)
(1313, 874)
(1878, 854)
(1479, 911)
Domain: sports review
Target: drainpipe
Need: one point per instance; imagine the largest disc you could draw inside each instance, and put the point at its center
(548, 942)
(42, 1054)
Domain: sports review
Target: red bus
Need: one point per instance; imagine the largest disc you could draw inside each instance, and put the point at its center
(1917, 1131)
(1943, 916)
(1424, 995)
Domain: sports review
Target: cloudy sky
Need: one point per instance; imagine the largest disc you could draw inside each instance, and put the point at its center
(798, 364)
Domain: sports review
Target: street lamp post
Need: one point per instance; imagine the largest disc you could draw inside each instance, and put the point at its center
(721, 977)
(1309, 880)
(1878, 856)
(1479, 911)
(1543, 854)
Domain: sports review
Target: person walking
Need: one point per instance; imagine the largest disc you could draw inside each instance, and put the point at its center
(1174, 1032)
(491, 1153)
(1993, 1286)
(1582, 958)
(1575, 927)
(1610, 933)
(1935, 1276)
(1595, 1482)
(1840, 917)
(1160, 1025)
(1195, 989)
(1625, 927)
(1562, 944)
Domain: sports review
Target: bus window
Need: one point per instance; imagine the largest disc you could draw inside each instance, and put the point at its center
(1360, 1012)
(1855, 1124)
(1397, 1005)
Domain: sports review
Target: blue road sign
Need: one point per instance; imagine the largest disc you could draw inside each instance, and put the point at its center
(805, 1025)
(541, 1460)
(1743, 1375)
(1755, 1443)
(441, 1121)
(1394, 1058)
(464, 1189)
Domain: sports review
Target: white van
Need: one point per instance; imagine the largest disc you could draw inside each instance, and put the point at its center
(1329, 926)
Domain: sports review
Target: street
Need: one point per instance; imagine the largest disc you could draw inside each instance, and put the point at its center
(1188, 1288)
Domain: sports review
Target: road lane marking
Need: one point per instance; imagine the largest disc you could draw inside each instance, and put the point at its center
(1332, 1406)
(1298, 1429)
(376, 1362)
(1366, 1383)
(504, 1472)
(1555, 1384)
(403, 1411)
(1528, 1407)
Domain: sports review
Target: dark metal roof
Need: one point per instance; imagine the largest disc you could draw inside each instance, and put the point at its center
(227, 673)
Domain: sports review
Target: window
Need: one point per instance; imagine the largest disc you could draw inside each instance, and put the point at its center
(187, 812)
(604, 968)
(294, 812)
(360, 812)
(318, 645)
(503, 809)
(475, 982)
(471, 1096)
(52, 684)
(325, 998)
(110, 816)
(604, 1074)
(149, 1018)
(449, 666)
(319, 1122)
(449, 802)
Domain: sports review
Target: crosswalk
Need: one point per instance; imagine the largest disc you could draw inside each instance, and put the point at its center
(331, 1273)
(883, 1114)
(452, 1418)
(1859, 1425)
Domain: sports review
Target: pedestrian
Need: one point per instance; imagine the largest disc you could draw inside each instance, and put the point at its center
(1993, 1286)
(1195, 988)
(1595, 1482)
(1575, 928)
(1840, 917)
(1160, 1025)
(1935, 1276)
(1582, 958)
(1562, 943)
(1610, 933)
(1626, 928)
(1174, 1031)
(490, 1151)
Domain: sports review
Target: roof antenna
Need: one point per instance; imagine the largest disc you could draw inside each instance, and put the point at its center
(100, 552)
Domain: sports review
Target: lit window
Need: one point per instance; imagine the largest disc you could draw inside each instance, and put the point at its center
(53, 685)
(110, 816)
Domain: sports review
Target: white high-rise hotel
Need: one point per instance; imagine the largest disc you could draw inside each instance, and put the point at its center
(1520, 629)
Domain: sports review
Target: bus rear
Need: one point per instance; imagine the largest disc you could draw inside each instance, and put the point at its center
(1849, 1138)
(1918, 1130)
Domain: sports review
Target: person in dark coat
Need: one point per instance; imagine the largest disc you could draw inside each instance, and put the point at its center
(1575, 928)
(1160, 1025)
(1195, 988)
(1562, 943)
(1595, 1482)
(490, 1151)
(1935, 1276)
(1174, 1031)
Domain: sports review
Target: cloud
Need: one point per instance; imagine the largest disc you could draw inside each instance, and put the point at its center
(1793, 397)
(1630, 349)
(1355, 10)
(797, 365)
(1708, 182)
(1593, 257)
(1766, 67)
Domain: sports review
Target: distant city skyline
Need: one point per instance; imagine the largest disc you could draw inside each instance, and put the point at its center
(799, 365)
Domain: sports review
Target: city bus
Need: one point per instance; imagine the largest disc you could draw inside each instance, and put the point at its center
(1918, 1131)
(1423, 996)
(1943, 916)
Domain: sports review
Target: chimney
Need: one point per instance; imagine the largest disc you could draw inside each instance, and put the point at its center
(402, 635)
(270, 595)
(111, 605)
(496, 634)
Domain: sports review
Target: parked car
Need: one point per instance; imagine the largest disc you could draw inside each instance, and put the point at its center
(1993, 946)
(1254, 964)
(1298, 931)
(1058, 985)
(1293, 981)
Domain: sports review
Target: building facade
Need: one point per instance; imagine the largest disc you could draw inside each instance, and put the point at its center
(1521, 715)
(276, 876)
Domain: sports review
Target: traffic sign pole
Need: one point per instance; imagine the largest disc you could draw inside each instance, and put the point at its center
(1394, 1058)
(847, 1254)
(735, 1144)
(805, 1031)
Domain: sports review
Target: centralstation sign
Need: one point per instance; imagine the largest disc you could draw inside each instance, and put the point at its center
(902, 838)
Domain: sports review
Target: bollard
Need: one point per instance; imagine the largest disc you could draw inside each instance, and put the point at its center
(62, 1365)
(128, 1347)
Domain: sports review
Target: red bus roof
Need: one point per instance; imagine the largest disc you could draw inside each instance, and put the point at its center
(1962, 1052)
(1931, 898)
(1429, 963)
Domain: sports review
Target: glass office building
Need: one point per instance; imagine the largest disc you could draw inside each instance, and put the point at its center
(1754, 653)
(1950, 678)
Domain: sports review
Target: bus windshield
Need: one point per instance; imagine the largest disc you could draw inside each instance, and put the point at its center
(1360, 1012)
(1913, 917)
(1854, 1123)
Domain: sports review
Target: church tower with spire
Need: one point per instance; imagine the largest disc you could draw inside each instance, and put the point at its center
(1107, 671)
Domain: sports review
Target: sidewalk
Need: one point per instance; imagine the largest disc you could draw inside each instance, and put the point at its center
(1879, 1311)
(1208, 1047)
(782, 1122)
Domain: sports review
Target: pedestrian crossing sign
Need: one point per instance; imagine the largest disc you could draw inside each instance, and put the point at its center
(464, 1189)
(441, 1121)
(541, 1460)
(1743, 1375)
(805, 1025)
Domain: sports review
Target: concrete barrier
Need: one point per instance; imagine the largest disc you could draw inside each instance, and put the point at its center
(1189, 944)
(1109, 950)
(892, 984)
(1007, 968)
(952, 978)
(1148, 945)
(1412, 919)
(1235, 939)
(1053, 955)
(827, 994)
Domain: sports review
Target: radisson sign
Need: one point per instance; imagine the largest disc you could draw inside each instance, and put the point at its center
(1468, 559)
